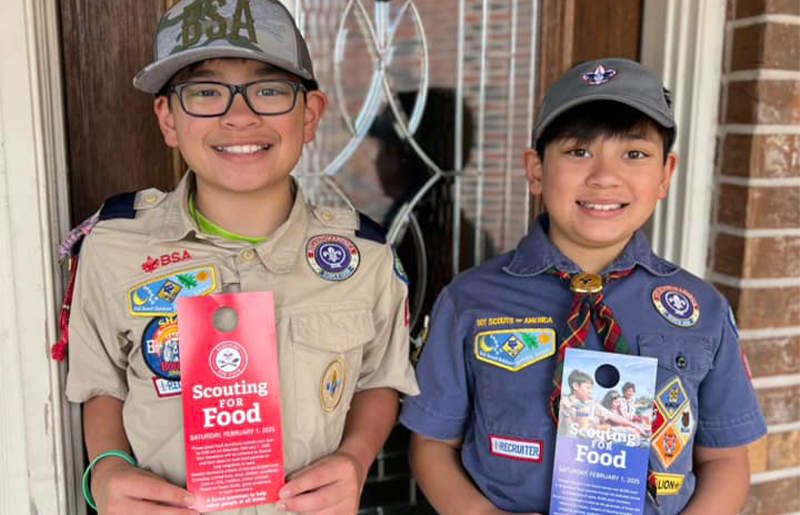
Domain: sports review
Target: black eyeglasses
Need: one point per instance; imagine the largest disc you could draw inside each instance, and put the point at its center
(207, 99)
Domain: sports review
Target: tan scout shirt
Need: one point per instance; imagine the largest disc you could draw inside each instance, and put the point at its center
(360, 320)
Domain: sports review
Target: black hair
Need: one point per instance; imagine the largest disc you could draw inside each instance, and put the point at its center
(578, 377)
(601, 118)
(628, 385)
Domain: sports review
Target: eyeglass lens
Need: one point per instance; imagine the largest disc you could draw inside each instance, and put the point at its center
(264, 97)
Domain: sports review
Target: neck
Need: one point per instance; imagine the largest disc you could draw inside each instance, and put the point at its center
(590, 260)
(253, 214)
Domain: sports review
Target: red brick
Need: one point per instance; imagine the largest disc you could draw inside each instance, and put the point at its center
(759, 207)
(754, 258)
(761, 155)
(764, 308)
(763, 102)
(766, 45)
(773, 498)
(773, 356)
(780, 405)
(750, 8)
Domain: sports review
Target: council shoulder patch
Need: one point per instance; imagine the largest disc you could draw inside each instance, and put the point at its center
(332, 385)
(515, 349)
(676, 305)
(398, 267)
(157, 296)
(160, 348)
(334, 258)
(516, 448)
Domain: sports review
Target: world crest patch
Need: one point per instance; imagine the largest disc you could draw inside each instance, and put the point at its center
(334, 258)
(676, 305)
(515, 349)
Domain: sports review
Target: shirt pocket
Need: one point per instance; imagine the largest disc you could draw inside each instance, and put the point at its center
(327, 350)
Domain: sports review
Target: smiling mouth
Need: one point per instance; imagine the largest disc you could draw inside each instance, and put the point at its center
(242, 149)
(601, 207)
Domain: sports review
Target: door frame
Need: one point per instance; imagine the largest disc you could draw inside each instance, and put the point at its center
(43, 443)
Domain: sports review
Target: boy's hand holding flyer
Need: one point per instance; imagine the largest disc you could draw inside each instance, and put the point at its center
(602, 451)
(231, 400)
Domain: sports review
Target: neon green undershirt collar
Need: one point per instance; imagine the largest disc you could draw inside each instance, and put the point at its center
(208, 227)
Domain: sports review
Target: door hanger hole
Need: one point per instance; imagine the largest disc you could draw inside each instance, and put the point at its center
(225, 319)
(607, 376)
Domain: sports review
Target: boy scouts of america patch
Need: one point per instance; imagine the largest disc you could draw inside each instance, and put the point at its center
(160, 348)
(332, 385)
(599, 76)
(674, 422)
(334, 258)
(677, 305)
(157, 296)
(515, 349)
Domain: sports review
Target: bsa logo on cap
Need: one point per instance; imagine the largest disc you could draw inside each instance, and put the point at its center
(600, 75)
(677, 305)
(334, 258)
(227, 360)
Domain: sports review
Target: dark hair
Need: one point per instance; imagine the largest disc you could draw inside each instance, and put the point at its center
(610, 397)
(579, 377)
(628, 385)
(601, 118)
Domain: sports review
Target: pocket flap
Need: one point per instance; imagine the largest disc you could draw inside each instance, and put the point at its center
(684, 354)
(332, 330)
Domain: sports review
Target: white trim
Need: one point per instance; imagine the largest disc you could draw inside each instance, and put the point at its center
(746, 128)
(774, 475)
(772, 332)
(786, 427)
(683, 41)
(781, 381)
(760, 182)
(783, 19)
(738, 282)
(757, 233)
(36, 445)
(761, 74)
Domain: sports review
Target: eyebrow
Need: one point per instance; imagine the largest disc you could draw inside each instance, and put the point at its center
(265, 69)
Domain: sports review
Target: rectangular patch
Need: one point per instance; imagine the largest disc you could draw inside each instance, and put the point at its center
(166, 388)
(516, 448)
(668, 484)
(515, 349)
(158, 296)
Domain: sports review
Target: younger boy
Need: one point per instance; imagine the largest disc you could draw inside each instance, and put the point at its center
(236, 93)
(484, 439)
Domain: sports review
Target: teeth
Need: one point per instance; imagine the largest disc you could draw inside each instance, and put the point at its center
(242, 149)
(600, 207)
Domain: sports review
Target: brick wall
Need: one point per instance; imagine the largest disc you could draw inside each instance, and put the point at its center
(755, 255)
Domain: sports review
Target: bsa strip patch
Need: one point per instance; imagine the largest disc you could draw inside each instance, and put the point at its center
(667, 484)
(677, 305)
(157, 296)
(160, 348)
(332, 385)
(516, 448)
(334, 258)
(515, 349)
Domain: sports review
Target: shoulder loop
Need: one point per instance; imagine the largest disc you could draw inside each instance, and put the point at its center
(369, 229)
(119, 206)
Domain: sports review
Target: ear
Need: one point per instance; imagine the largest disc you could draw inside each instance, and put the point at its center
(316, 105)
(666, 175)
(533, 171)
(166, 121)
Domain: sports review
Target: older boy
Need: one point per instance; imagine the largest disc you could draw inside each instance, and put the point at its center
(484, 435)
(236, 93)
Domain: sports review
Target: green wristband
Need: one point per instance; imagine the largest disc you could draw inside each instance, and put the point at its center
(87, 492)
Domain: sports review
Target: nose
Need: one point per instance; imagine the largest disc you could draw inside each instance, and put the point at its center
(240, 115)
(603, 172)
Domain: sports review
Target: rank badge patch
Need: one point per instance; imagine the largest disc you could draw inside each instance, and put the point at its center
(668, 446)
(671, 398)
(158, 296)
(676, 305)
(675, 420)
(515, 349)
(332, 385)
(334, 258)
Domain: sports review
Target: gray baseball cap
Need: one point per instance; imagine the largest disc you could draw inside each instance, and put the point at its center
(618, 80)
(196, 30)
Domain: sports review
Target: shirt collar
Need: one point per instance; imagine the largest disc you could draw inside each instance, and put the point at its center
(278, 251)
(536, 254)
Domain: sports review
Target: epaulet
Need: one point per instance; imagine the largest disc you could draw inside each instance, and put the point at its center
(369, 229)
(118, 206)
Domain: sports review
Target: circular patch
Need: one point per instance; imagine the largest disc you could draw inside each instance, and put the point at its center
(677, 305)
(160, 347)
(227, 360)
(334, 258)
(332, 385)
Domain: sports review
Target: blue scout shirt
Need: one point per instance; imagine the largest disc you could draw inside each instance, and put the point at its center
(498, 400)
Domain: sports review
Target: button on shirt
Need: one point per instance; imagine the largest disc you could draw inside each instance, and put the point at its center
(358, 321)
(501, 408)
